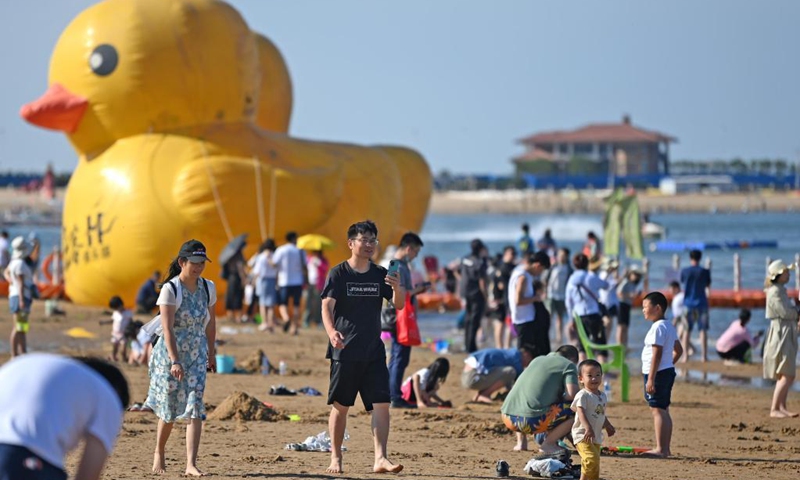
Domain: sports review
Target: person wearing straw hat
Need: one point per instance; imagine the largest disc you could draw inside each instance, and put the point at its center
(20, 294)
(780, 348)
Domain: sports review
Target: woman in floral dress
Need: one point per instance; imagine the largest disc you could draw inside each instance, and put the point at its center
(183, 353)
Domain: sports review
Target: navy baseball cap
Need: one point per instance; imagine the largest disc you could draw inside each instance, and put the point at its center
(195, 251)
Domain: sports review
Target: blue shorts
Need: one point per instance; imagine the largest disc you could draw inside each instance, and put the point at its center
(292, 291)
(267, 292)
(699, 316)
(665, 379)
(13, 305)
(19, 463)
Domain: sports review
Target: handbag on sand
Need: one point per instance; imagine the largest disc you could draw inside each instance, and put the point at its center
(407, 328)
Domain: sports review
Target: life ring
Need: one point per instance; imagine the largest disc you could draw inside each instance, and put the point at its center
(46, 268)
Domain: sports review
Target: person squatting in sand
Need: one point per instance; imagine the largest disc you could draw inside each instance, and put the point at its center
(539, 402)
(351, 313)
(421, 389)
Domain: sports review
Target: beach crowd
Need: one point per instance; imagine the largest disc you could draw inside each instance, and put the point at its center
(536, 320)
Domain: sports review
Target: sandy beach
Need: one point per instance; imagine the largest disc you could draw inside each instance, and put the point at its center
(720, 432)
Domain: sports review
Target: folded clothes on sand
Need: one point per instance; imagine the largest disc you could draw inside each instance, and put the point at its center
(319, 443)
(281, 390)
(549, 468)
(309, 391)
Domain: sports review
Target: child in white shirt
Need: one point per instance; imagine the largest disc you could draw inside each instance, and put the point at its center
(661, 350)
(590, 418)
(120, 318)
(421, 389)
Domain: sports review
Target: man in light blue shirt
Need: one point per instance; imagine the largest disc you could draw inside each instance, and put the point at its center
(557, 292)
(583, 288)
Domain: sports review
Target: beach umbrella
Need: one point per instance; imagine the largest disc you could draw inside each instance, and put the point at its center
(314, 242)
(232, 248)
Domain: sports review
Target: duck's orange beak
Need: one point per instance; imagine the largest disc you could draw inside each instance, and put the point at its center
(57, 109)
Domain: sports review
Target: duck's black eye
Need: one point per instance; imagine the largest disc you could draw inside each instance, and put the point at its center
(103, 60)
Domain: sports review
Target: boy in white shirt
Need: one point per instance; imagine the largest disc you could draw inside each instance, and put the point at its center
(590, 418)
(661, 350)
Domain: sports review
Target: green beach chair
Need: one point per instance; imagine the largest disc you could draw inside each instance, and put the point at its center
(617, 364)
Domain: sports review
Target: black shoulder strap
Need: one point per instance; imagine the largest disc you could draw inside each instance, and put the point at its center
(205, 285)
(173, 288)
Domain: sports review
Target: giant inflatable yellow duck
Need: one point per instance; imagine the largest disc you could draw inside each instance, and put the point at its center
(179, 114)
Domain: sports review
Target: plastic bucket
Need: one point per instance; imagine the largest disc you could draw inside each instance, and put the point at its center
(225, 364)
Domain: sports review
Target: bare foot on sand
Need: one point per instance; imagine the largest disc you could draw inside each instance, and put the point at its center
(520, 448)
(478, 398)
(336, 466)
(193, 471)
(385, 466)
(550, 449)
(159, 466)
(782, 414)
(655, 454)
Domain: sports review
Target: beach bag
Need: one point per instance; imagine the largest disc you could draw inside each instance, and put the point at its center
(407, 328)
(153, 327)
(600, 305)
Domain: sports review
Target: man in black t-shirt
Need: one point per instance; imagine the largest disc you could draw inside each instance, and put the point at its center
(473, 292)
(351, 313)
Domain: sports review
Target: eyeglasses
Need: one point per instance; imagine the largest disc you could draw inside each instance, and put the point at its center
(366, 241)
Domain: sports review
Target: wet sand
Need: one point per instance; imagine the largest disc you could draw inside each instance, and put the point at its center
(720, 432)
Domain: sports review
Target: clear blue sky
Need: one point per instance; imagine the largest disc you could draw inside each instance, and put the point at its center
(461, 80)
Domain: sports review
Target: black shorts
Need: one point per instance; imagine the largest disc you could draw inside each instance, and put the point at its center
(624, 314)
(526, 333)
(292, 291)
(370, 379)
(665, 379)
(19, 463)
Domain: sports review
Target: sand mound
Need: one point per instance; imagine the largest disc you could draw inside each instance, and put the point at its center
(241, 406)
(252, 363)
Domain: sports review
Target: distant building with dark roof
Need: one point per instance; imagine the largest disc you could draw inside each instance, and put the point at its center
(616, 149)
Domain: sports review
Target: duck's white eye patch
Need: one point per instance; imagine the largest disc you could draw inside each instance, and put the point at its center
(103, 60)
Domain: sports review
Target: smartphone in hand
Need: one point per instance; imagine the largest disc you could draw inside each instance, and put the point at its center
(394, 266)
